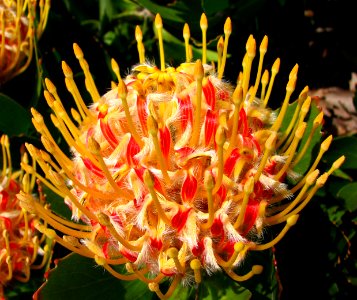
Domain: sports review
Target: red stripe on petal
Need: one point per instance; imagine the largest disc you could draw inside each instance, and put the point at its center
(131, 256)
(186, 111)
(217, 227)
(165, 141)
(189, 188)
(108, 133)
(210, 126)
(210, 93)
(231, 161)
(243, 123)
(131, 150)
(250, 216)
(179, 220)
(142, 113)
(4, 200)
(91, 167)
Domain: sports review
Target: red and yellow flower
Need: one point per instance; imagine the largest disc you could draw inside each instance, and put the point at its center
(175, 171)
(18, 26)
(20, 242)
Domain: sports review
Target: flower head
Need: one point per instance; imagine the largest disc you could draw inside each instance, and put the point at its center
(19, 241)
(18, 25)
(174, 170)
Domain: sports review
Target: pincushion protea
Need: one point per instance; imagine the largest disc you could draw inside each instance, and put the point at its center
(174, 170)
(20, 242)
(18, 25)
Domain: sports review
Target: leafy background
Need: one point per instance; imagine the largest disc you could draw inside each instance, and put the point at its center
(317, 258)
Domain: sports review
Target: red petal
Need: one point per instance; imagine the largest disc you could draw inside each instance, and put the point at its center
(155, 243)
(4, 199)
(222, 193)
(210, 93)
(243, 123)
(131, 256)
(189, 188)
(198, 250)
(210, 125)
(7, 223)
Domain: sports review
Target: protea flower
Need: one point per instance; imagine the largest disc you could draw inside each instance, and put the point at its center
(174, 171)
(19, 25)
(20, 242)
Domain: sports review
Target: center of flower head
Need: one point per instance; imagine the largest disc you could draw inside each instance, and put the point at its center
(175, 170)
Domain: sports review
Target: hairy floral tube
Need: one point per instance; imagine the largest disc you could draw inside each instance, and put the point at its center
(175, 172)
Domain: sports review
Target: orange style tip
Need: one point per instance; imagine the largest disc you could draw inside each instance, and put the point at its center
(322, 179)
(264, 45)
(186, 31)
(66, 69)
(319, 118)
(238, 247)
(203, 22)
(338, 163)
(303, 94)
(172, 252)
(198, 71)
(251, 46)
(228, 26)
(138, 33)
(311, 178)
(290, 87)
(294, 71)
(114, 64)
(220, 44)
(50, 86)
(265, 77)
(103, 219)
(237, 95)
(326, 143)
(306, 105)
(48, 98)
(220, 136)
(257, 269)
(148, 179)
(153, 286)
(299, 133)
(291, 221)
(276, 66)
(77, 51)
(158, 21)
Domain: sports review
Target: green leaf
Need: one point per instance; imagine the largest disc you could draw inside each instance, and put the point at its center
(77, 277)
(14, 118)
(349, 194)
(213, 6)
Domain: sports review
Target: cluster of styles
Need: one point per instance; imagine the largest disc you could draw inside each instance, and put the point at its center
(21, 21)
(22, 247)
(175, 173)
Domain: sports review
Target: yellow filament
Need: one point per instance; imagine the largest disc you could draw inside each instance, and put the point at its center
(9, 266)
(220, 139)
(208, 184)
(264, 82)
(173, 254)
(262, 51)
(122, 91)
(89, 79)
(237, 100)
(248, 190)
(199, 74)
(309, 181)
(269, 147)
(290, 221)
(45, 257)
(139, 40)
(118, 275)
(220, 46)
(158, 26)
(257, 269)
(150, 185)
(153, 130)
(274, 72)
(204, 26)
(227, 33)
(247, 63)
(186, 37)
(238, 248)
